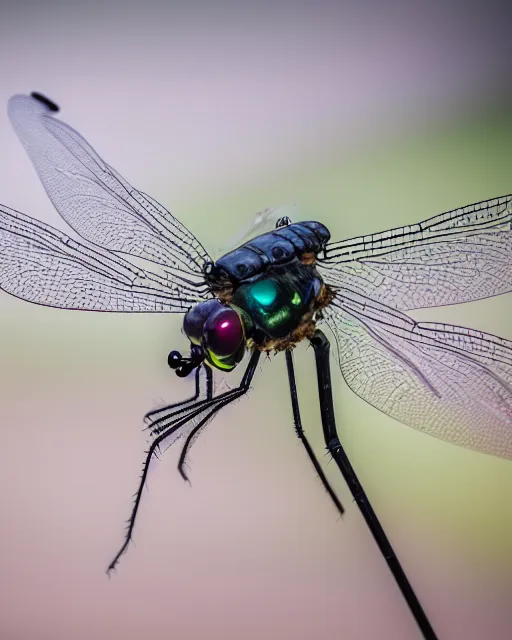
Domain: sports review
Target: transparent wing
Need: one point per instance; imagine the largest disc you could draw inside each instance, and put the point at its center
(94, 199)
(450, 382)
(45, 266)
(263, 222)
(459, 256)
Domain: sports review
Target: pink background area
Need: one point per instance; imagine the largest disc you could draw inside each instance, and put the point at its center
(371, 117)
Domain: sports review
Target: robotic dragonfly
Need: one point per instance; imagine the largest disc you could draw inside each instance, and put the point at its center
(269, 294)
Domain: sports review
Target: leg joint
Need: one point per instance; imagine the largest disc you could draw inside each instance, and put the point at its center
(333, 445)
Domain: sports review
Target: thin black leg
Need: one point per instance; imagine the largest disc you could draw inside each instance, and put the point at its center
(163, 412)
(211, 406)
(236, 393)
(149, 415)
(160, 424)
(322, 347)
(302, 436)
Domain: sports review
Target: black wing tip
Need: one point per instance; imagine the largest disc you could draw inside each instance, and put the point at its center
(46, 101)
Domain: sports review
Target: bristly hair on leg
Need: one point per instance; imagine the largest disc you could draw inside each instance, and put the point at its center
(302, 436)
(172, 427)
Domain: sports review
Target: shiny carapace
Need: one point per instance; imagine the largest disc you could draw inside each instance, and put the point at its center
(268, 294)
(129, 254)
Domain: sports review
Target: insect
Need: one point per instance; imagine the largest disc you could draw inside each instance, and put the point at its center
(270, 293)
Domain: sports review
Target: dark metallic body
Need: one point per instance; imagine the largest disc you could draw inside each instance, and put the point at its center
(269, 294)
(277, 247)
(282, 262)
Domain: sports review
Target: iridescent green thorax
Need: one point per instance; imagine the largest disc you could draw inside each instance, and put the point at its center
(277, 300)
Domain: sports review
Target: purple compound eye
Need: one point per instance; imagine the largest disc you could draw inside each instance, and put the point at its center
(194, 319)
(223, 333)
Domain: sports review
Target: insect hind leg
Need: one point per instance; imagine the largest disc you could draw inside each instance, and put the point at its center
(332, 441)
(302, 436)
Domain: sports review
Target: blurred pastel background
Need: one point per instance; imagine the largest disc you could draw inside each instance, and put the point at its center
(369, 116)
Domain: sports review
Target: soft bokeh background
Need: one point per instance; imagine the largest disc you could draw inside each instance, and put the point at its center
(369, 117)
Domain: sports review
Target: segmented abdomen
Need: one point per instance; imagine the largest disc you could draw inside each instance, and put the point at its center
(273, 248)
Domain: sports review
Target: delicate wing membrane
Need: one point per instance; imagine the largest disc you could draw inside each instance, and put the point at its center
(94, 199)
(42, 265)
(459, 256)
(450, 382)
(263, 222)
